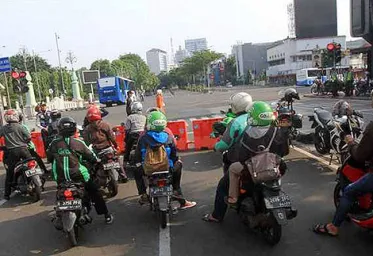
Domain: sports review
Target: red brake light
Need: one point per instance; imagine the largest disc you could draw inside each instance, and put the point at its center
(31, 164)
(68, 194)
(161, 183)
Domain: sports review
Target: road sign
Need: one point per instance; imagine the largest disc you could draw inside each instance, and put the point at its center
(90, 76)
(5, 65)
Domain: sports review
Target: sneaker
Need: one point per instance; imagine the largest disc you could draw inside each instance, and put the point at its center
(188, 205)
(109, 218)
(144, 199)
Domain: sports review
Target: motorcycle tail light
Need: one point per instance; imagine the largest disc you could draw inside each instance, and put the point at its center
(31, 164)
(68, 194)
(161, 183)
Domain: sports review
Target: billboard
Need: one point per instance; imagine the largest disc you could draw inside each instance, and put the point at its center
(315, 18)
(90, 76)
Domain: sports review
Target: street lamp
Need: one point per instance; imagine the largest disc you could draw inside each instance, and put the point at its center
(71, 59)
(36, 70)
(59, 62)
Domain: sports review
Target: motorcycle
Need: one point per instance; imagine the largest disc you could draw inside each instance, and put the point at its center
(318, 88)
(361, 212)
(265, 209)
(219, 127)
(329, 132)
(362, 88)
(160, 195)
(106, 175)
(72, 209)
(28, 178)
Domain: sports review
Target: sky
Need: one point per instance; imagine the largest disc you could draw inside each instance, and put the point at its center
(95, 29)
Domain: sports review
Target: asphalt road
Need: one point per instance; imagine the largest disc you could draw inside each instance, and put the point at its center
(26, 228)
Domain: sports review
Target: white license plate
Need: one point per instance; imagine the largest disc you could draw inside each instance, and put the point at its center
(112, 165)
(33, 172)
(69, 205)
(161, 191)
(281, 201)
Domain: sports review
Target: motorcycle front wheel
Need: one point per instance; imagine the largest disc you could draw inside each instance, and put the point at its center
(320, 143)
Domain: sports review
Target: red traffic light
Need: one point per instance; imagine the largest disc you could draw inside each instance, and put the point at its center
(22, 74)
(330, 47)
(15, 75)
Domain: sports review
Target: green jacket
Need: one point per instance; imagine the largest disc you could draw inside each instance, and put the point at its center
(233, 132)
(31, 144)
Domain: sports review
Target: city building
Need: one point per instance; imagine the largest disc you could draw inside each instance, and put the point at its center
(181, 55)
(251, 57)
(287, 56)
(157, 60)
(358, 51)
(196, 45)
(316, 18)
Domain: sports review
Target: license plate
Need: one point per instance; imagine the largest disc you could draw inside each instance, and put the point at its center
(69, 205)
(281, 201)
(33, 172)
(161, 191)
(113, 165)
(284, 123)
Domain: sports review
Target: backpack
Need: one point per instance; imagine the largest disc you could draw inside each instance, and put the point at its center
(264, 165)
(156, 160)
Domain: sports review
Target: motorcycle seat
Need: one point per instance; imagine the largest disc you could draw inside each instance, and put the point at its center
(363, 216)
(323, 115)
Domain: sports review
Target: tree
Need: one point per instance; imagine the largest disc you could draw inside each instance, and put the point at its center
(17, 61)
(104, 66)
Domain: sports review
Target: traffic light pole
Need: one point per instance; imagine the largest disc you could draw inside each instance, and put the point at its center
(7, 90)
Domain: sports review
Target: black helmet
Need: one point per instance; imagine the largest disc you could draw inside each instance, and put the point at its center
(291, 94)
(66, 127)
(55, 115)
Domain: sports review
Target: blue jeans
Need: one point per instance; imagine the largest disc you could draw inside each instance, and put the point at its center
(351, 192)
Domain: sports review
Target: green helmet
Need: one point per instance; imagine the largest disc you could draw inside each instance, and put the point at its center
(156, 121)
(260, 114)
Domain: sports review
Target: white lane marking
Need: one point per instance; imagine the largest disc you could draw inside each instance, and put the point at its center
(323, 161)
(3, 201)
(165, 240)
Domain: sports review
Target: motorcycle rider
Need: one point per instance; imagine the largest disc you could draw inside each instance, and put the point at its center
(55, 117)
(134, 126)
(239, 104)
(156, 136)
(131, 98)
(42, 122)
(100, 135)
(103, 111)
(260, 117)
(259, 132)
(16, 138)
(349, 81)
(361, 153)
(66, 154)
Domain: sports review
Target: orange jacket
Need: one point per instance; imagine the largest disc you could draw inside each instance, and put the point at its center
(160, 102)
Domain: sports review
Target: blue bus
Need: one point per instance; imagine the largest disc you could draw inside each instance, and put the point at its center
(113, 90)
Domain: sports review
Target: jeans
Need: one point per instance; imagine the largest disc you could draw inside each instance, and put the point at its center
(351, 192)
(95, 195)
(220, 207)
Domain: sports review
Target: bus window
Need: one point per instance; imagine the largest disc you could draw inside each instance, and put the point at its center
(314, 73)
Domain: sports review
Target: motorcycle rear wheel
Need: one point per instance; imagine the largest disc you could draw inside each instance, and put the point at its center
(320, 145)
(112, 186)
(73, 236)
(337, 194)
(273, 233)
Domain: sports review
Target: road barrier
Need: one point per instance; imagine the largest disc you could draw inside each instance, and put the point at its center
(38, 142)
(180, 130)
(120, 135)
(202, 129)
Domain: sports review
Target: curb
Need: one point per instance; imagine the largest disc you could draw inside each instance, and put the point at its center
(330, 97)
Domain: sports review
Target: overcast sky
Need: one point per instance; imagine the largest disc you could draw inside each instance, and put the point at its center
(95, 29)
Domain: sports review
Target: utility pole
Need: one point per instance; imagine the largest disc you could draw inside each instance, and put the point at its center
(36, 76)
(59, 62)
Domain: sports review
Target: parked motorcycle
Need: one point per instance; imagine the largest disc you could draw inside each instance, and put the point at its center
(72, 209)
(160, 195)
(362, 88)
(106, 175)
(329, 132)
(266, 209)
(361, 212)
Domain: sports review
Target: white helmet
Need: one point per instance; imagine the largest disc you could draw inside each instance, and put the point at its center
(136, 107)
(159, 91)
(240, 102)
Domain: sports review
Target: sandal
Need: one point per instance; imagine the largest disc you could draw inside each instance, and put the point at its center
(208, 218)
(322, 229)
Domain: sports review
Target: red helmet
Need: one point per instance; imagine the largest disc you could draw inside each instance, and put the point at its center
(93, 114)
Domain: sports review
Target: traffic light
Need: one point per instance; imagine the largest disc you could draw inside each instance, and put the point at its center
(19, 82)
(338, 53)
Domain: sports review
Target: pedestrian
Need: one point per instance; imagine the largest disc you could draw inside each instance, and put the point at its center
(160, 101)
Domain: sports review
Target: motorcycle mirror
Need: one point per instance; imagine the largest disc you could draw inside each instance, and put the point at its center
(121, 124)
(222, 112)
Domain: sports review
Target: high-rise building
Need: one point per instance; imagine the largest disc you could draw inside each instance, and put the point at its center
(181, 55)
(196, 45)
(315, 18)
(157, 60)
